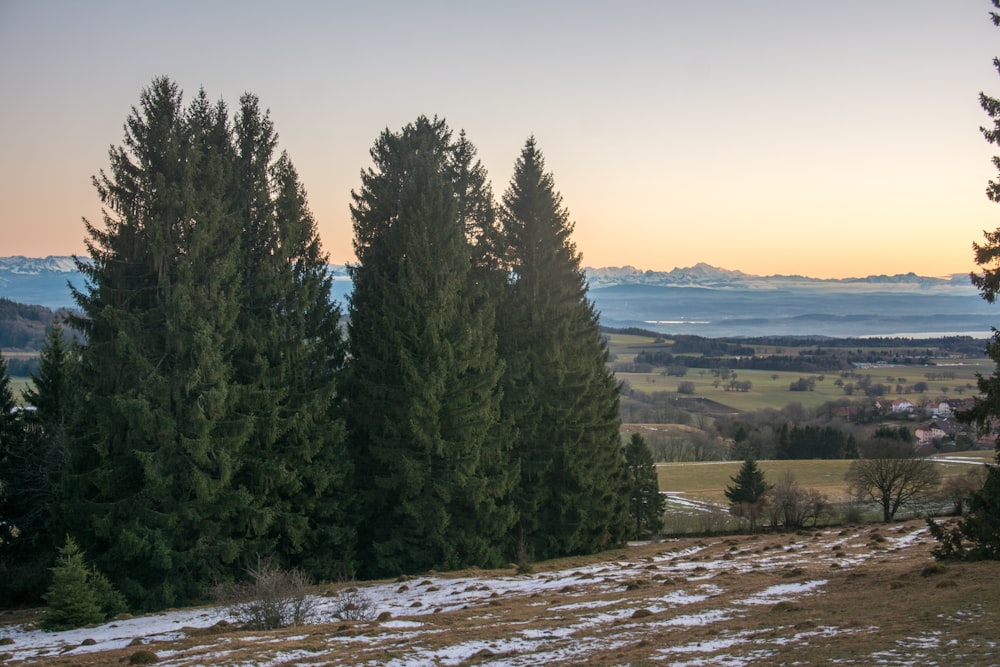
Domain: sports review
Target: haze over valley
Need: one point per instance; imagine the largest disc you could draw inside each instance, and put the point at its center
(700, 300)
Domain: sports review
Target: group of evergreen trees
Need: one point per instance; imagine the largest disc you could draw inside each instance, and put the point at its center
(216, 411)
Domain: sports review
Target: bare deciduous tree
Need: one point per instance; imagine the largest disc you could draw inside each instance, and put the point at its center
(892, 475)
(791, 506)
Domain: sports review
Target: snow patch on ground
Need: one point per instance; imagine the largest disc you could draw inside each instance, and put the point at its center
(565, 631)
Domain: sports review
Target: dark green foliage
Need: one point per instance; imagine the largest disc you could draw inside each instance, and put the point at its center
(30, 471)
(77, 595)
(156, 439)
(12, 437)
(814, 442)
(977, 534)
(646, 505)
(288, 354)
(24, 553)
(203, 430)
(422, 393)
(10, 422)
(746, 495)
(749, 484)
(558, 395)
(50, 386)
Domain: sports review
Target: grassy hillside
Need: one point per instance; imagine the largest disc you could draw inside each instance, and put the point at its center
(852, 595)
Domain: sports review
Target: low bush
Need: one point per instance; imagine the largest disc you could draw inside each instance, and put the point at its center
(272, 598)
(353, 604)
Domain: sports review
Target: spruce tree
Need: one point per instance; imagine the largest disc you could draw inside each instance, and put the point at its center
(154, 439)
(204, 433)
(646, 505)
(11, 441)
(747, 492)
(422, 396)
(72, 600)
(558, 394)
(10, 424)
(31, 471)
(20, 572)
(292, 349)
(51, 384)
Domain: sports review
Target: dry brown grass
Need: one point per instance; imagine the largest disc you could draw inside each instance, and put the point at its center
(674, 602)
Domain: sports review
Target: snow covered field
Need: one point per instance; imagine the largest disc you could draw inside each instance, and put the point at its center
(739, 600)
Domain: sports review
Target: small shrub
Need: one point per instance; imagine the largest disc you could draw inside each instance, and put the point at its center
(143, 658)
(74, 599)
(931, 570)
(853, 513)
(273, 598)
(353, 604)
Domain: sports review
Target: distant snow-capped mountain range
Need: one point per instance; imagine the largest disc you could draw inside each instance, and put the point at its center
(701, 299)
(699, 275)
(706, 275)
(32, 266)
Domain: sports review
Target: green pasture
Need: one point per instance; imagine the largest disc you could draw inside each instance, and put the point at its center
(17, 387)
(626, 346)
(707, 481)
(771, 388)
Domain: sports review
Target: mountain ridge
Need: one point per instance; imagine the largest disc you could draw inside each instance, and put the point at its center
(699, 273)
(701, 299)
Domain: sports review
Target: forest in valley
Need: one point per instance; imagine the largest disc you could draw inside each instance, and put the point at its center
(212, 408)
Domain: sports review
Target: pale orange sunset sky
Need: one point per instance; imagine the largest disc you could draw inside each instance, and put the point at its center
(776, 137)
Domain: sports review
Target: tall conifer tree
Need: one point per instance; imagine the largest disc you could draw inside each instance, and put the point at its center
(286, 362)
(422, 398)
(155, 440)
(646, 505)
(205, 432)
(30, 473)
(11, 444)
(561, 398)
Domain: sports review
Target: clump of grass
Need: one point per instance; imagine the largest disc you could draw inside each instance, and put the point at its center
(933, 569)
(143, 658)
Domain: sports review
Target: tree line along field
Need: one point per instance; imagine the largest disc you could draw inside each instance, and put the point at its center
(950, 375)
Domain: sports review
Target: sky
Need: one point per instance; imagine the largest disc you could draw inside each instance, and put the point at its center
(830, 140)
